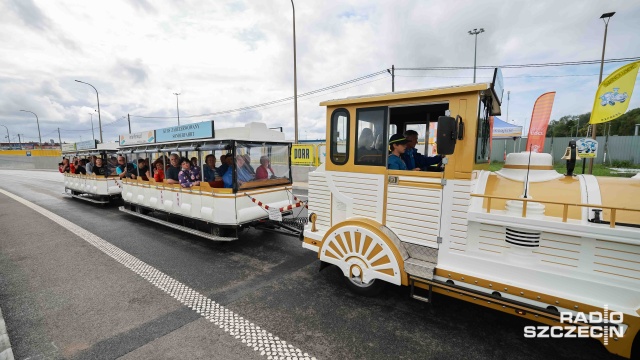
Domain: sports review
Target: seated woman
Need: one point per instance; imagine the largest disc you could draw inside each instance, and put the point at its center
(264, 171)
(209, 170)
(187, 176)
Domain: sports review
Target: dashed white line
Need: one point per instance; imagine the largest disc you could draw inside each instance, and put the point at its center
(261, 341)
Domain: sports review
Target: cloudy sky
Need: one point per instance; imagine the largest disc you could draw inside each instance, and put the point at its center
(224, 55)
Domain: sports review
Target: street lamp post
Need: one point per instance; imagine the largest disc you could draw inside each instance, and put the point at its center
(38, 122)
(98, 98)
(605, 17)
(92, 133)
(508, 98)
(8, 138)
(475, 52)
(295, 76)
(177, 107)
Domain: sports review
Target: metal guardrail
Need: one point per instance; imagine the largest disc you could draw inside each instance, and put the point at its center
(565, 210)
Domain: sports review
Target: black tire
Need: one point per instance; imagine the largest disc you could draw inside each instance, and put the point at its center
(371, 289)
(142, 210)
(635, 348)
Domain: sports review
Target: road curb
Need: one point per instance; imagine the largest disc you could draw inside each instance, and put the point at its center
(5, 346)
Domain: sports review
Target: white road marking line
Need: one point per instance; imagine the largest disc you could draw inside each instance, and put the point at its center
(248, 333)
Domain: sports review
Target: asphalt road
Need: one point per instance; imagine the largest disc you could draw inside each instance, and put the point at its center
(63, 297)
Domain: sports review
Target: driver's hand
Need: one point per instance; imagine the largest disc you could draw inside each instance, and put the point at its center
(416, 169)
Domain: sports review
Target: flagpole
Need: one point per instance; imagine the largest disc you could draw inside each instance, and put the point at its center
(605, 17)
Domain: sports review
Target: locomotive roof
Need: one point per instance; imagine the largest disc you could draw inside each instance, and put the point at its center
(408, 94)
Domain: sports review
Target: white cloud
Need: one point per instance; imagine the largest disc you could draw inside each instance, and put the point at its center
(226, 55)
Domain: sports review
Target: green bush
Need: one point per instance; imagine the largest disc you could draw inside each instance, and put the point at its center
(622, 164)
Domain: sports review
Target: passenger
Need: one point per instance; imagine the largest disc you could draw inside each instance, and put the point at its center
(171, 175)
(64, 166)
(73, 165)
(247, 165)
(194, 161)
(223, 165)
(397, 146)
(366, 140)
(90, 164)
(158, 176)
(264, 171)
(125, 169)
(209, 170)
(243, 174)
(366, 152)
(187, 176)
(80, 169)
(227, 177)
(99, 169)
(413, 158)
(143, 170)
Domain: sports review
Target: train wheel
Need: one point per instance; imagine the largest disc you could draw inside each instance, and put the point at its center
(372, 288)
(364, 254)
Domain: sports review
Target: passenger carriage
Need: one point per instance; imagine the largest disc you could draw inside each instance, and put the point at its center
(212, 210)
(571, 245)
(99, 189)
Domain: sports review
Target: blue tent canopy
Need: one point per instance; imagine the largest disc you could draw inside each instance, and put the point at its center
(504, 130)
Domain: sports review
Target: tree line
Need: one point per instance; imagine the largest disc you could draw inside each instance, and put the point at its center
(567, 125)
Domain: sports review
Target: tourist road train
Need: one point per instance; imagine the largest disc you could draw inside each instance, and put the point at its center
(559, 249)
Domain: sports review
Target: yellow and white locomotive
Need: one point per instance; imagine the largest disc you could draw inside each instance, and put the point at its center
(525, 240)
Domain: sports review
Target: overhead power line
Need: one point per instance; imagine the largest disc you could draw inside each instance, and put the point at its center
(506, 77)
(250, 107)
(520, 66)
(512, 66)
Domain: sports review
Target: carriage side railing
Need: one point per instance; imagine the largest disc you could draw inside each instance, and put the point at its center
(565, 206)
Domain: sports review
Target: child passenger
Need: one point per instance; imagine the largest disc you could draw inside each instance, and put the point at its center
(159, 174)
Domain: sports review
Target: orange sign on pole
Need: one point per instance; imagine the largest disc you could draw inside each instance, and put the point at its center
(539, 122)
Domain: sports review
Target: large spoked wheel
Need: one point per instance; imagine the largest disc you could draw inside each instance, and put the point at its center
(372, 288)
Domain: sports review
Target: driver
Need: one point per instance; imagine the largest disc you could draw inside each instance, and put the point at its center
(413, 158)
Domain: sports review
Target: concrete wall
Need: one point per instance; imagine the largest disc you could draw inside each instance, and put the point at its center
(36, 159)
(301, 173)
(29, 162)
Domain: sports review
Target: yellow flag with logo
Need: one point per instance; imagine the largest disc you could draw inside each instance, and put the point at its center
(614, 93)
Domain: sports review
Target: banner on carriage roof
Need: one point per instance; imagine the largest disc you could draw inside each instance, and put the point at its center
(142, 137)
(614, 93)
(199, 130)
(68, 147)
(86, 145)
(539, 122)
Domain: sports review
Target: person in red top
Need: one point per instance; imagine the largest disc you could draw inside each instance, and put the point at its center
(264, 171)
(73, 165)
(158, 176)
(64, 166)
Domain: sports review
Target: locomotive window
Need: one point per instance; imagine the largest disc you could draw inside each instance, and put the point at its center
(482, 143)
(371, 139)
(339, 142)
